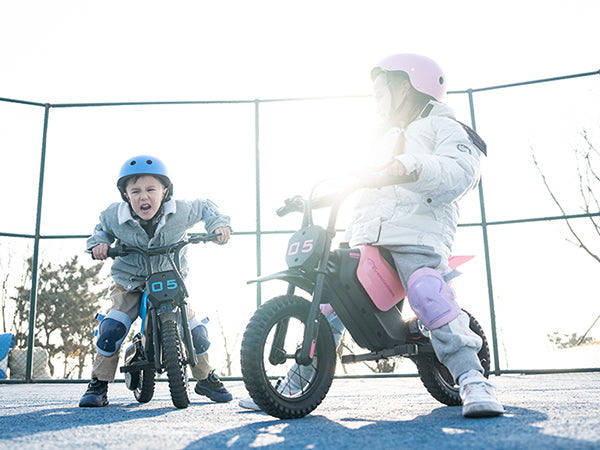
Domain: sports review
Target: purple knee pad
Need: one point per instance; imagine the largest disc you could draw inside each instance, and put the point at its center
(431, 298)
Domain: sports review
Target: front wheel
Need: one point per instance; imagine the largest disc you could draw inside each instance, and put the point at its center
(436, 377)
(278, 385)
(175, 364)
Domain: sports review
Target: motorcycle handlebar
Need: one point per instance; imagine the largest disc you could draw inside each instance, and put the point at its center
(296, 204)
(193, 238)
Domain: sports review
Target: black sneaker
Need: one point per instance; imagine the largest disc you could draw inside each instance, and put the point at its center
(96, 394)
(213, 389)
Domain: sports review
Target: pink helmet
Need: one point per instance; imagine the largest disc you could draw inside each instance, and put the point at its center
(424, 73)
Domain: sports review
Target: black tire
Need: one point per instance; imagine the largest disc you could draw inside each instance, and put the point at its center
(144, 390)
(437, 378)
(265, 380)
(175, 364)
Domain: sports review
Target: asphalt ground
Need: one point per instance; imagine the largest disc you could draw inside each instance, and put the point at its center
(542, 411)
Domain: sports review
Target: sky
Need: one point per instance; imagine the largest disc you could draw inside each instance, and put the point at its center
(73, 51)
(131, 51)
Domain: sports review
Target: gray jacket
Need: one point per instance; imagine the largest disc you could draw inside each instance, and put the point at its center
(117, 224)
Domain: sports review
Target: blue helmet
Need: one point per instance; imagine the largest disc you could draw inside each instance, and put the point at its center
(144, 165)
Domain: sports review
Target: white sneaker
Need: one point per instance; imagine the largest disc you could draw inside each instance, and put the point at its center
(297, 380)
(477, 394)
(298, 377)
(248, 403)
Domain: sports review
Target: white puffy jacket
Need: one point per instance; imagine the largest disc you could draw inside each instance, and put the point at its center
(424, 212)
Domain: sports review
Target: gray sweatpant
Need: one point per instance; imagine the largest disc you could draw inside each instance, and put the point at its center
(455, 345)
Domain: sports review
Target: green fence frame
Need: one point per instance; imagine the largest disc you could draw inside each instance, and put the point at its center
(484, 224)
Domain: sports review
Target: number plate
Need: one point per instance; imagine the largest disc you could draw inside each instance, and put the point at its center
(305, 248)
(162, 286)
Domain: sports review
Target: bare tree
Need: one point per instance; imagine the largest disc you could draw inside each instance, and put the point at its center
(228, 349)
(12, 272)
(4, 293)
(68, 297)
(588, 171)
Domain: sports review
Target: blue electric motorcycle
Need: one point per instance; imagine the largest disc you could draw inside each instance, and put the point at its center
(164, 342)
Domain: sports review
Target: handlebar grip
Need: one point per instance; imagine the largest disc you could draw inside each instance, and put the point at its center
(284, 210)
(119, 250)
(293, 204)
(194, 238)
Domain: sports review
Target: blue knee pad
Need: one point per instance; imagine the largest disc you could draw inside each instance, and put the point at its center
(431, 298)
(111, 332)
(199, 337)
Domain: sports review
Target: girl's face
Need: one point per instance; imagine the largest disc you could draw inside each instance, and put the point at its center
(145, 196)
(387, 104)
(383, 97)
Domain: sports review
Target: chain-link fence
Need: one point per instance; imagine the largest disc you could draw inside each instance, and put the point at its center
(532, 223)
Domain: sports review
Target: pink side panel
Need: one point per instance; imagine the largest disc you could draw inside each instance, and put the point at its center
(459, 260)
(379, 278)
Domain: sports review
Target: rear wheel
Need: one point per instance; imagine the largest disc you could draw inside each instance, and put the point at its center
(274, 335)
(144, 390)
(437, 378)
(175, 364)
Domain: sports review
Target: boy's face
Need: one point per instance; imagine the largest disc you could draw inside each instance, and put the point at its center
(145, 196)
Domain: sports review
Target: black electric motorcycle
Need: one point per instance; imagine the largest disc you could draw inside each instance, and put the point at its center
(288, 353)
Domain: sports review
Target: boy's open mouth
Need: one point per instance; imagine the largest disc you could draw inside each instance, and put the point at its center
(145, 207)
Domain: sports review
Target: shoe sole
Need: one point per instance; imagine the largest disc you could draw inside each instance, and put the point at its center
(93, 405)
(212, 397)
(249, 406)
(483, 410)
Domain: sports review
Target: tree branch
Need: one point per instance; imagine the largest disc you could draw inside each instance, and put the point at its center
(580, 243)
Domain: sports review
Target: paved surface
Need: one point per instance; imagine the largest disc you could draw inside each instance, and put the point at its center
(543, 411)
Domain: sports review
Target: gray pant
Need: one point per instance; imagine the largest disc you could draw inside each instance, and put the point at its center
(455, 345)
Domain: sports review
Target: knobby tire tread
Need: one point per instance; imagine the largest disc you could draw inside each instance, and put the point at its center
(252, 354)
(145, 388)
(175, 364)
(437, 378)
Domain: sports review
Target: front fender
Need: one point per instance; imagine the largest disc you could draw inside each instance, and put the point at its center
(292, 276)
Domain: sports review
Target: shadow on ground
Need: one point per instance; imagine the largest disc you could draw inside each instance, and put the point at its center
(443, 428)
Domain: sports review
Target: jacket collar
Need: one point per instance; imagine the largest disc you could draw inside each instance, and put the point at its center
(124, 213)
(434, 108)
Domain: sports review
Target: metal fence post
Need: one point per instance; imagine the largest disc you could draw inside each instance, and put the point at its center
(36, 252)
(257, 184)
(486, 251)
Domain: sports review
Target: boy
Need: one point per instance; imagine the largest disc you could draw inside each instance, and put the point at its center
(148, 217)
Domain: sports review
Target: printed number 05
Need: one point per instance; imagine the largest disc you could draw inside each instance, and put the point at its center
(158, 286)
(307, 247)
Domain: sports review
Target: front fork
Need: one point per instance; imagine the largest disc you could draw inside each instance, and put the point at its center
(187, 336)
(155, 317)
(311, 331)
(305, 356)
(306, 353)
